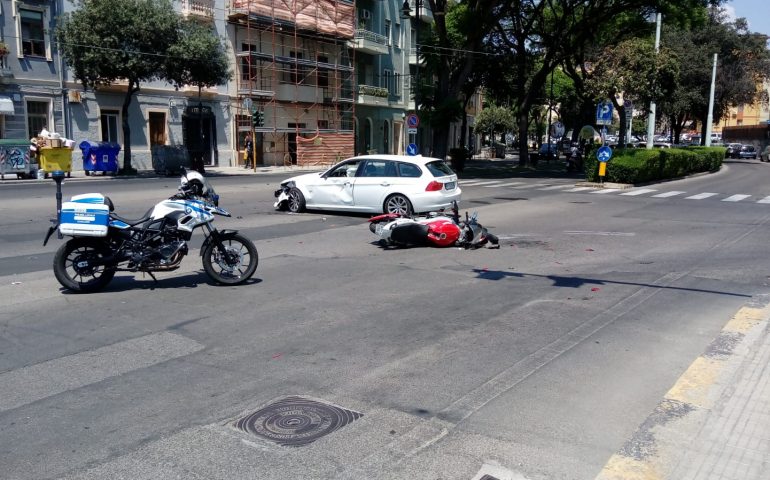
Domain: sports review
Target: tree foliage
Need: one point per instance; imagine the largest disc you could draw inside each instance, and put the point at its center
(136, 41)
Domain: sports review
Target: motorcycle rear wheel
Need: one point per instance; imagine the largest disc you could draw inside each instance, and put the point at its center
(72, 268)
(236, 266)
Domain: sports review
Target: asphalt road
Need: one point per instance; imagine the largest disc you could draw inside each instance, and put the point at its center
(537, 360)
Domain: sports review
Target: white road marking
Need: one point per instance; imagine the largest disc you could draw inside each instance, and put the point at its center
(607, 190)
(735, 198)
(532, 185)
(556, 187)
(639, 191)
(668, 194)
(478, 183)
(608, 234)
(701, 196)
(503, 185)
(581, 189)
(35, 382)
(764, 200)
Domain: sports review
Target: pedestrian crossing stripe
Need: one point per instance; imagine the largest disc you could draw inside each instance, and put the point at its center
(735, 198)
(701, 196)
(634, 192)
(668, 194)
(509, 184)
(639, 191)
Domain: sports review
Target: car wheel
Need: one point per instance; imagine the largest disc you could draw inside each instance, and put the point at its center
(296, 201)
(398, 204)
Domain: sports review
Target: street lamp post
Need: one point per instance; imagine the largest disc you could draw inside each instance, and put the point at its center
(406, 12)
(651, 118)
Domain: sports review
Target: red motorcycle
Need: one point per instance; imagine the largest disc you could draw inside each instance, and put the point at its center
(438, 229)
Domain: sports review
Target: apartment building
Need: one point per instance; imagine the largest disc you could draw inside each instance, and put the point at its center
(327, 78)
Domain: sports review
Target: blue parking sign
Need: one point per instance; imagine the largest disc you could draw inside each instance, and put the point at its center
(411, 149)
(604, 113)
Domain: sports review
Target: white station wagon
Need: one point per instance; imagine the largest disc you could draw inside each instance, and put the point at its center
(374, 183)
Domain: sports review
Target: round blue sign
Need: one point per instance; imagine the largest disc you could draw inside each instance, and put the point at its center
(604, 154)
(411, 149)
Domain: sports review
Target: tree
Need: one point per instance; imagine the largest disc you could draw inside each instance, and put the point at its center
(496, 120)
(744, 62)
(105, 41)
(631, 70)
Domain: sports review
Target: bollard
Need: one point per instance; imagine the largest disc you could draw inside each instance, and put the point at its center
(58, 177)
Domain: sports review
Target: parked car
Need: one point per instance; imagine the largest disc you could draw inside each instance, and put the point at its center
(548, 151)
(765, 157)
(732, 150)
(375, 184)
(747, 151)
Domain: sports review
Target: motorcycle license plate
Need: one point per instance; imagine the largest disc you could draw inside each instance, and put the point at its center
(450, 185)
(378, 229)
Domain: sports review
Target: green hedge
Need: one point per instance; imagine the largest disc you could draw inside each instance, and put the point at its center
(639, 165)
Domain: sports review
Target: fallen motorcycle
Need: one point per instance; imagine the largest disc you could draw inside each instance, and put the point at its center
(439, 229)
(104, 243)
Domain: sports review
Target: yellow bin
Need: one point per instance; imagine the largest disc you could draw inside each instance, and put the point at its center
(56, 158)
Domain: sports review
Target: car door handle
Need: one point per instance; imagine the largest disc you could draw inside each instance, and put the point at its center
(347, 184)
(385, 184)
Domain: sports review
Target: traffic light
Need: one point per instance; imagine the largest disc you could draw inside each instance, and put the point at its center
(258, 119)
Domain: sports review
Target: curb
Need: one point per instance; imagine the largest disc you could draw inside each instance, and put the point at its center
(657, 448)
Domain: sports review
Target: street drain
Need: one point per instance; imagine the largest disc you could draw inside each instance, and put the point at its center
(296, 421)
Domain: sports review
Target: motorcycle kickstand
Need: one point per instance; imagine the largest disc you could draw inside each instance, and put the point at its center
(155, 280)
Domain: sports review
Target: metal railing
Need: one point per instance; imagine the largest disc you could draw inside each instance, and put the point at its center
(203, 8)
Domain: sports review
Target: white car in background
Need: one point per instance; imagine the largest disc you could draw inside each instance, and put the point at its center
(374, 184)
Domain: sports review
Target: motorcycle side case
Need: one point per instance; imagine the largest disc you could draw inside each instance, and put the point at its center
(85, 216)
(410, 234)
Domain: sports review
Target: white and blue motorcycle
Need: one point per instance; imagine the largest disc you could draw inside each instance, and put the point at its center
(104, 243)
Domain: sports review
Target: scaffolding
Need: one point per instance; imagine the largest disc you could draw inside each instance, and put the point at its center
(294, 66)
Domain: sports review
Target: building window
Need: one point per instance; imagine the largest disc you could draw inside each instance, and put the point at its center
(323, 74)
(32, 33)
(397, 84)
(37, 117)
(109, 124)
(388, 32)
(397, 36)
(296, 70)
(157, 123)
(386, 79)
(323, 124)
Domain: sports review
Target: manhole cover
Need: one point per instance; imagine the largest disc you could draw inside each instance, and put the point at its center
(296, 421)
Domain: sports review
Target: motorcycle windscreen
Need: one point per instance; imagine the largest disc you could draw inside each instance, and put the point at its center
(410, 234)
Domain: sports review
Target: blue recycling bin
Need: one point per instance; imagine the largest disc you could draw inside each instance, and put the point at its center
(100, 157)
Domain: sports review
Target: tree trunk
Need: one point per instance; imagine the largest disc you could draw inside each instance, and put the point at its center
(130, 91)
(523, 140)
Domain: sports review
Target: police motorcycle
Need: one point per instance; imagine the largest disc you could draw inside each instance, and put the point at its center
(104, 243)
(438, 229)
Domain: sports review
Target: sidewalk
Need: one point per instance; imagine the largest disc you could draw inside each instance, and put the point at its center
(714, 423)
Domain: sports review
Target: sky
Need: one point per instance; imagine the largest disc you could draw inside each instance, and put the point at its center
(757, 12)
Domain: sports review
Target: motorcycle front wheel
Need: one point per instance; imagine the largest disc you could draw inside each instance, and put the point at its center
(76, 267)
(233, 266)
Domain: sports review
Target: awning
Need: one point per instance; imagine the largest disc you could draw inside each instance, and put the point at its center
(6, 106)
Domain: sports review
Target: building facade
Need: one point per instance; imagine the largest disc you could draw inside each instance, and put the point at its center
(326, 78)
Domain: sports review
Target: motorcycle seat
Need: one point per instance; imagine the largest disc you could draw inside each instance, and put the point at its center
(130, 221)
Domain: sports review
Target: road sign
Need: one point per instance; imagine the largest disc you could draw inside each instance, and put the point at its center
(247, 104)
(604, 154)
(411, 149)
(557, 130)
(604, 113)
(411, 131)
(629, 106)
(412, 121)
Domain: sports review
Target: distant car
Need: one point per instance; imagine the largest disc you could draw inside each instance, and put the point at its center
(374, 184)
(548, 151)
(732, 150)
(747, 151)
(765, 157)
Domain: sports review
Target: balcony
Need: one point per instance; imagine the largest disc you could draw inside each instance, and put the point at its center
(203, 9)
(5, 68)
(369, 42)
(373, 96)
(426, 15)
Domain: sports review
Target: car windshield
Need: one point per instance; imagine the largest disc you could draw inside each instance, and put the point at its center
(439, 169)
